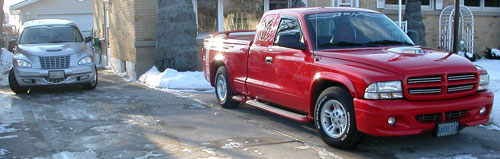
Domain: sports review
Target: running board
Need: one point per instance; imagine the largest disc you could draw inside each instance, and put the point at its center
(281, 112)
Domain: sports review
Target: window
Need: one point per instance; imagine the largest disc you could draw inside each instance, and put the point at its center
(242, 14)
(353, 30)
(207, 16)
(50, 34)
(393, 4)
(482, 4)
(278, 4)
(396, 2)
(289, 26)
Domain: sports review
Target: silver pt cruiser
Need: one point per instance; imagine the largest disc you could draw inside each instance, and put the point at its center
(51, 53)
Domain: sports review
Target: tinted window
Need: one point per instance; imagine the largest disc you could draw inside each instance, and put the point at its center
(354, 29)
(50, 34)
(289, 26)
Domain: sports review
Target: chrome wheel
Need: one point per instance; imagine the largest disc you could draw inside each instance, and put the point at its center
(333, 118)
(221, 87)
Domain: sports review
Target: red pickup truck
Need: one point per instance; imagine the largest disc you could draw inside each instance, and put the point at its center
(352, 71)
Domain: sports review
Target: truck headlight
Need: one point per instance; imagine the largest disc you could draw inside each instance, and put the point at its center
(22, 63)
(484, 81)
(384, 90)
(85, 60)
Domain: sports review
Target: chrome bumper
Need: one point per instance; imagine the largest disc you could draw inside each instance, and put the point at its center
(28, 77)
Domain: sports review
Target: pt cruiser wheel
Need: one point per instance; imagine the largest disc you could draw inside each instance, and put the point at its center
(335, 120)
(223, 89)
(93, 83)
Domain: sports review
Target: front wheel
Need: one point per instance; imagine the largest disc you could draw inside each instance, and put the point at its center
(335, 120)
(223, 89)
(93, 83)
(14, 86)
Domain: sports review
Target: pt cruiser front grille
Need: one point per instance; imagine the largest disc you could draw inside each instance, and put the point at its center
(54, 62)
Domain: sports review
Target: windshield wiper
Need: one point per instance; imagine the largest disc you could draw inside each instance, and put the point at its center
(383, 42)
(58, 41)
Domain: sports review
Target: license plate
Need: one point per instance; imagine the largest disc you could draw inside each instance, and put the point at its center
(446, 129)
(56, 74)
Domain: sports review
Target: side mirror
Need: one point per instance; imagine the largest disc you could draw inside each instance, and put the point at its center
(12, 45)
(290, 41)
(413, 36)
(88, 39)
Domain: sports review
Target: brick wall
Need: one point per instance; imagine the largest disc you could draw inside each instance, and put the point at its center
(122, 30)
(145, 29)
(319, 3)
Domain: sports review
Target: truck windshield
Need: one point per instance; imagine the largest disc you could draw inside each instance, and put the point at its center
(341, 30)
(50, 34)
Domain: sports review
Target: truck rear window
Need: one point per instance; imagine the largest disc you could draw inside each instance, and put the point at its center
(340, 30)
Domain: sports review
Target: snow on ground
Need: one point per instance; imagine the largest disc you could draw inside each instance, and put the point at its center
(3, 152)
(171, 79)
(5, 64)
(493, 67)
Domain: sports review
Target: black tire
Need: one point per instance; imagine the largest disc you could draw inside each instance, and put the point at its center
(228, 102)
(93, 83)
(337, 97)
(14, 86)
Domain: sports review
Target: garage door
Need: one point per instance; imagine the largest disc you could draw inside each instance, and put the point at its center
(84, 21)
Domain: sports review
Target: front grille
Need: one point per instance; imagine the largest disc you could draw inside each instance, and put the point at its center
(429, 117)
(59, 80)
(438, 116)
(440, 86)
(432, 90)
(460, 88)
(461, 77)
(424, 79)
(455, 114)
(54, 62)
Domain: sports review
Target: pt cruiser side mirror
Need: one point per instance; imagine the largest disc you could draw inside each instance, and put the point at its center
(88, 39)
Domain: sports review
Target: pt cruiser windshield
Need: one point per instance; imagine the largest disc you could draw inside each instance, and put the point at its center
(50, 34)
(341, 30)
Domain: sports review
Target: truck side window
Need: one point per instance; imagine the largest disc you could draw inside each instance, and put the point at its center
(289, 26)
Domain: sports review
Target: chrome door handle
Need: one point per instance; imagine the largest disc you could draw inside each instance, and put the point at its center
(269, 60)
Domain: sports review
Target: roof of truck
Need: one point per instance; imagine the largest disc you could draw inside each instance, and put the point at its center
(315, 10)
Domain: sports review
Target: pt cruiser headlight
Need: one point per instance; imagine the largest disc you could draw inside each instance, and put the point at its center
(22, 63)
(85, 60)
(484, 81)
(384, 90)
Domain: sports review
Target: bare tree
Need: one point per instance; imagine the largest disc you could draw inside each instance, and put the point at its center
(413, 15)
(176, 35)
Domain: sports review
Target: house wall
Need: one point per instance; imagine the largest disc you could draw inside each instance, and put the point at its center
(145, 28)
(122, 30)
(49, 7)
(486, 34)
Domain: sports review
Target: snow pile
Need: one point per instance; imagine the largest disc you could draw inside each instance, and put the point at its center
(171, 79)
(493, 70)
(495, 52)
(5, 64)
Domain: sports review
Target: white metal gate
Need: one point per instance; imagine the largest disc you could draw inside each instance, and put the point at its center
(466, 29)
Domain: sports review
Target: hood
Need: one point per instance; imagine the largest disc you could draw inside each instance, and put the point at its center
(51, 49)
(405, 60)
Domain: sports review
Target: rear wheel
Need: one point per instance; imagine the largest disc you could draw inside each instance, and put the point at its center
(335, 120)
(93, 83)
(223, 89)
(14, 86)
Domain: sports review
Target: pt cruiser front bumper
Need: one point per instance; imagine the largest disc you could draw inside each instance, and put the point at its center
(31, 77)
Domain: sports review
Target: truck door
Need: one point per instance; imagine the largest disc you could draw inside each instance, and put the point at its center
(257, 75)
(289, 62)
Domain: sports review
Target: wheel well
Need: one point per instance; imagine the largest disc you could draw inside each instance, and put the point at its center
(320, 86)
(215, 66)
